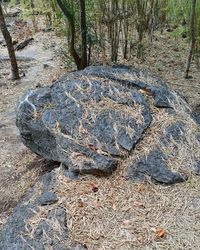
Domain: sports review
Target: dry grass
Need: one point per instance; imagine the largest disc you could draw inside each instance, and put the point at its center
(113, 213)
(14, 181)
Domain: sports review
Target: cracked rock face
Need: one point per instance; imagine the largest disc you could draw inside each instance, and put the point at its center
(92, 120)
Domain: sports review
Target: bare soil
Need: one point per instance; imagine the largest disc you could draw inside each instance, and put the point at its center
(151, 216)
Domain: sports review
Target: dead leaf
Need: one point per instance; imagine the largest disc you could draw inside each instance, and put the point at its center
(126, 222)
(160, 233)
(145, 90)
(74, 155)
(114, 207)
(141, 188)
(80, 203)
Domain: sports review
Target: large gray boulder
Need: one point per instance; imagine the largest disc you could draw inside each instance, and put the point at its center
(93, 120)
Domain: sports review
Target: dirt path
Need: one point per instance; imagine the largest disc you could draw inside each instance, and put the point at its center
(19, 167)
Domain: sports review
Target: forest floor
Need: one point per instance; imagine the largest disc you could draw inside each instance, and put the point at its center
(173, 209)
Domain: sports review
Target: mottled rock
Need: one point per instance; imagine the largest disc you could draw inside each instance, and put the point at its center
(34, 227)
(173, 132)
(163, 98)
(83, 123)
(47, 198)
(91, 120)
(154, 166)
(48, 181)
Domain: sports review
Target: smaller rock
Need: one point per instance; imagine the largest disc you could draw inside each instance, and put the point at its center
(194, 203)
(162, 97)
(154, 166)
(197, 168)
(47, 198)
(38, 233)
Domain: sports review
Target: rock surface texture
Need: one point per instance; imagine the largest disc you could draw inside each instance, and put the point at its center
(93, 122)
(35, 226)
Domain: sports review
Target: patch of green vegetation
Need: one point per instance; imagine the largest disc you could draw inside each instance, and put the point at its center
(50, 106)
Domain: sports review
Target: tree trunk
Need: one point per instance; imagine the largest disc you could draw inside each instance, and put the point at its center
(114, 28)
(140, 27)
(32, 7)
(11, 51)
(125, 29)
(192, 44)
(71, 22)
(83, 34)
(81, 62)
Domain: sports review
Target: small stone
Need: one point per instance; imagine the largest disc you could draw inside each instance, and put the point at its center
(45, 65)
